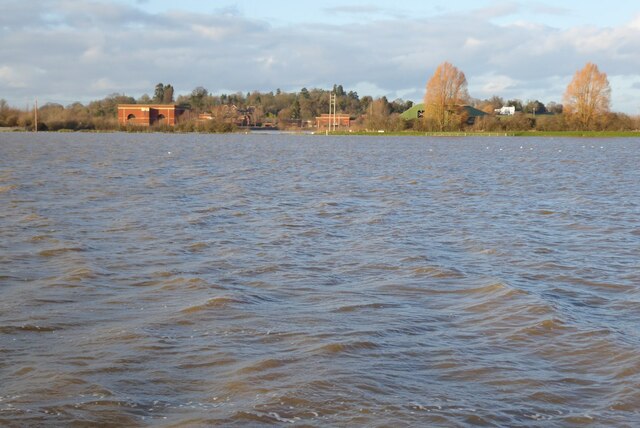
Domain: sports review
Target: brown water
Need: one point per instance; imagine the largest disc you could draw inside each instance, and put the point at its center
(247, 280)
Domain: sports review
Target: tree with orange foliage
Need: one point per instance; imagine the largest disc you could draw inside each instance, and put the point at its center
(446, 92)
(588, 97)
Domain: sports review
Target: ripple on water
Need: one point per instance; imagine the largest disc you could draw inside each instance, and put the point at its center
(80, 274)
(437, 272)
(219, 302)
(54, 252)
(8, 188)
(197, 247)
(365, 307)
(352, 347)
(187, 284)
(263, 366)
(27, 328)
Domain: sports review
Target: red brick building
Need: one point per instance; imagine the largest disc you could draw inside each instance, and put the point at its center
(331, 120)
(149, 114)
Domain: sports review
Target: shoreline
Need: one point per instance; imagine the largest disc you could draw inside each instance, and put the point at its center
(549, 134)
(381, 133)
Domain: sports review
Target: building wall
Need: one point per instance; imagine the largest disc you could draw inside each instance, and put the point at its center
(148, 114)
(326, 120)
(506, 111)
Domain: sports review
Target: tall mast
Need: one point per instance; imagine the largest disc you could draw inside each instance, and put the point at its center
(332, 112)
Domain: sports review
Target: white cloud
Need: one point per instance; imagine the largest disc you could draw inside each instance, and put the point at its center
(104, 84)
(367, 88)
(490, 84)
(213, 33)
(356, 10)
(93, 53)
(546, 9)
(19, 77)
(498, 10)
(626, 88)
(11, 78)
(472, 43)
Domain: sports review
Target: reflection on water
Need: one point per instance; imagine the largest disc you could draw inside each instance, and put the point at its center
(269, 279)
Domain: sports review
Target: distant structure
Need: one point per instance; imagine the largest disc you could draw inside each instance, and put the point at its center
(471, 113)
(229, 113)
(149, 114)
(506, 111)
(415, 112)
(333, 121)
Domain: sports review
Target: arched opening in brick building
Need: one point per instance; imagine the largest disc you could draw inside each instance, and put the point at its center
(131, 118)
(162, 120)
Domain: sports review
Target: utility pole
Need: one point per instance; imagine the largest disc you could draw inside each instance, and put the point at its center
(335, 114)
(35, 118)
(332, 113)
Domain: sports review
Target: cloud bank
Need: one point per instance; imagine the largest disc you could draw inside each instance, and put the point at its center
(64, 51)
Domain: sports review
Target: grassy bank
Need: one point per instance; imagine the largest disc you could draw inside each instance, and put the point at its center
(582, 134)
(565, 134)
(561, 134)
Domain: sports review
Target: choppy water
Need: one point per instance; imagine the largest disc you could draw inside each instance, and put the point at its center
(190, 280)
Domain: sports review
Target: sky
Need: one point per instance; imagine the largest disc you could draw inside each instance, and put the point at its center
(63, 51)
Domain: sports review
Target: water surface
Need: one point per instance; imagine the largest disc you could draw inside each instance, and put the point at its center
(190, 280)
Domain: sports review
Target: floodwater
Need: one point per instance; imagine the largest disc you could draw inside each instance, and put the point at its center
(256, 280)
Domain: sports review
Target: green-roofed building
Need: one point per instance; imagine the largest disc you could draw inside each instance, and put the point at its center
(417, 111)
(474, 113)
(414, 112)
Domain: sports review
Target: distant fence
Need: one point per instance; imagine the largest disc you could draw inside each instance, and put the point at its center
(469, 134)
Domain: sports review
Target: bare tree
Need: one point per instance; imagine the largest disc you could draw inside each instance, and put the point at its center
(446, 91)
(588, 97)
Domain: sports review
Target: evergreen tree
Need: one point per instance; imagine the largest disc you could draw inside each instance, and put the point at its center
(158, 95)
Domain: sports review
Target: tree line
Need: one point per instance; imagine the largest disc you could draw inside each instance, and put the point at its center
(586, 106)
(276, 108)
